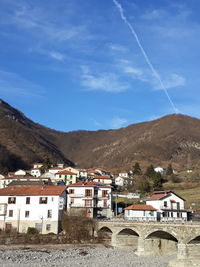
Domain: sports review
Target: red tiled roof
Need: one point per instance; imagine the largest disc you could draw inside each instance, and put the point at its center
(32, 190)
(66, 172)
(140, 207)
(158, 195)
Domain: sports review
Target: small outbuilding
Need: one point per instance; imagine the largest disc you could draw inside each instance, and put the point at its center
(140, 212)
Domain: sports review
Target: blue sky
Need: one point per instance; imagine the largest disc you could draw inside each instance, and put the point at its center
(74, 64)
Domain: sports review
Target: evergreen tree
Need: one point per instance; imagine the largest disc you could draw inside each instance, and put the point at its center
(144, 185)
(150, 172)
(136, 170)
(157, 180)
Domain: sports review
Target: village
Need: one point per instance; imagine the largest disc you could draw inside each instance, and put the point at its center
(39, 198)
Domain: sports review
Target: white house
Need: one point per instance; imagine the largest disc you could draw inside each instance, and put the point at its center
(83, 173)
(102, 179)
(159, 169)
(123, 174)
(140, 212)
(40, 207)
(91, 198)
(36, 172)
(119, 181)
(54, 170)
(123, 181)
(170, 206)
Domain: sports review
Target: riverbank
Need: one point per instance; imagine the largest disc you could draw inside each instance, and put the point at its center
(76, 255)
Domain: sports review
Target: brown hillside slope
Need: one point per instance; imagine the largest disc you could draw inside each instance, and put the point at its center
(23, 142)
(173, 138)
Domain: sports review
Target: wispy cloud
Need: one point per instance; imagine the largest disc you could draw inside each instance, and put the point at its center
(117, 48)
(108, 82)
(11, 84)
(173, 81)
(153, 14)
(118, 122)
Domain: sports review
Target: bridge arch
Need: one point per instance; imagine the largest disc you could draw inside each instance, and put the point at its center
(105, 234)
(161, 242)
(127, 237)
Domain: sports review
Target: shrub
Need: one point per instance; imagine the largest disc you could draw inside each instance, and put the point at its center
(32, 231)
(78, 227)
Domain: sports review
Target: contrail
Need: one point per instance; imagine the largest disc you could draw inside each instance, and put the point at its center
(155, 73)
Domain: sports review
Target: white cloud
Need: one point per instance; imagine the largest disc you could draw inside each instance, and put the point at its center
(108, 82)
(117, 48)
(118, 122)
(56, 55)
(135, 71)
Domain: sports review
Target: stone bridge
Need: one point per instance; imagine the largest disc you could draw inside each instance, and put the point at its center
(155, 238)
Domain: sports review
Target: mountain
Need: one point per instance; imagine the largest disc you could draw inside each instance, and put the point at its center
(174, 138)
(23, 142)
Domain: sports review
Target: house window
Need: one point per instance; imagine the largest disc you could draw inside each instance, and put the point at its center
(88, 203)
(52, 199)
(128, 212)
(143, 212)
(28, 200)
(172, 214)
(43, 200)
(27, 213)
(48, 227)
(105, 203)
(165, 203)
(104, 193)
(49, 214)
(88, 192)
(178, 205)
(71, 191)
(11, 200)
(151, 213)
(10, 214)
(72, 200)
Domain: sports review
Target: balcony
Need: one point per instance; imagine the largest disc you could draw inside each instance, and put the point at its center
(82, 205)
(83, 196)
(174, 208)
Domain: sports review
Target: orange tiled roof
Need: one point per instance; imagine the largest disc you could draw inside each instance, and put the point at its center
(140, 207)
(32, 190)
(158, 195)
(66, 172)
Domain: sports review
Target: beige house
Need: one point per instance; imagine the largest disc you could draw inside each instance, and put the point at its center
(102, 179)
(66, 176)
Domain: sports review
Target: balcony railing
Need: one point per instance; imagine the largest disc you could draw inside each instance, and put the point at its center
(82, 205)
(82, 196)
(141, 219)
(171, 208)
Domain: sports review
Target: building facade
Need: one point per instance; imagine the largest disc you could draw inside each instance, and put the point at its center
(40, 207)
(90, 198)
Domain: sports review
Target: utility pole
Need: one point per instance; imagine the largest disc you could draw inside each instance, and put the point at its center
(116, 205)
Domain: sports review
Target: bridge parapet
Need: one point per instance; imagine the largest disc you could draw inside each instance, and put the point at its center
(155, 238)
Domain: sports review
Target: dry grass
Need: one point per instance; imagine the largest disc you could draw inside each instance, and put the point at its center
(191, 196)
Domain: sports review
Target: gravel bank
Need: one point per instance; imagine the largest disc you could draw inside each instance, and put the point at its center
(80, 256)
